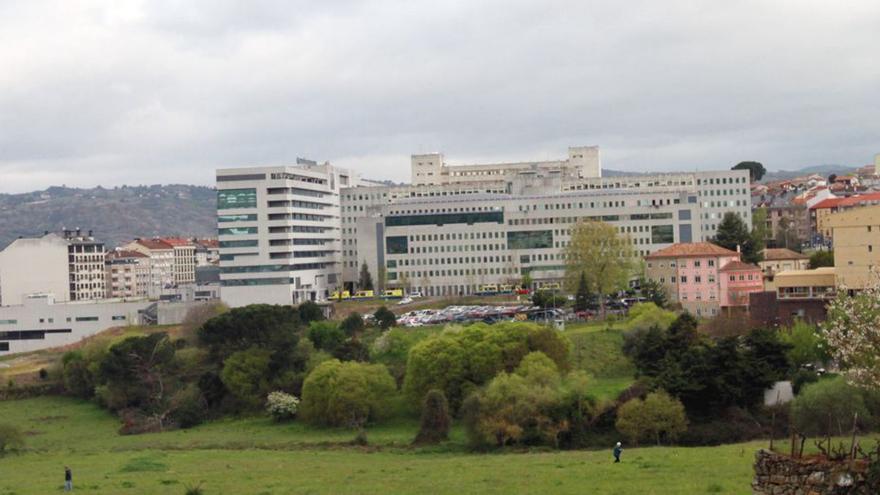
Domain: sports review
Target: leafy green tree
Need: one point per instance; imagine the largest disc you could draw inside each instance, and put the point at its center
(309, 311)
(827, 407)
(760, 231)
(787, 234)
(756, 169)
(246, 374)
(658, 417)
(654, 292)
(604, 257)
(385, 318)
(365, 280)
(326, 335)
(78, 378)
(435, 421)
(258, 325)
(11, 439)
(805, 343)
(583, 297)
(548, 299)
(822, 258)
(643, 316)
(138, 373)
(733, 233)
(347, 394)
(353, 324)
(352, 350)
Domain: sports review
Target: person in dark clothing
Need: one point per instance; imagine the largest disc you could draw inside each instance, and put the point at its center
(617, 450)
(68, 479)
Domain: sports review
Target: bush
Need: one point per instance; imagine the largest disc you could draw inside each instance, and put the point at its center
(434, 425)
(258, 325)
(657, 417)
(326, 335)
(458, 361)
(643, 316)
(282, 406)
(385, 318)
(11, 439)
(188, 407)
(353, 324)
(346, 394)
(77, 377)
(352, 350)
(309, 311)
(827, 408)
(246, 375)
(806, 344)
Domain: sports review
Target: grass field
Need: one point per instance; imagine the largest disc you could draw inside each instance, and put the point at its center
(255, 456)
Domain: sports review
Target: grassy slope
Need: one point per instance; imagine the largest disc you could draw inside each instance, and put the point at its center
(255, 456)
(596, 348)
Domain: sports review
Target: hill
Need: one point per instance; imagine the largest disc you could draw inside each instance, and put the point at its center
(823, 170)
(115, 215)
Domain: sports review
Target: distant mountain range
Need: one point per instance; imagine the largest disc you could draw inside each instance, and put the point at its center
(823, 170)
(115, 215)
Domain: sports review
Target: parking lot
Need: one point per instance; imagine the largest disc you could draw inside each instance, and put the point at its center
(487, 314)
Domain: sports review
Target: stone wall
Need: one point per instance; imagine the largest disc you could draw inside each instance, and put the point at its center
(777, 474)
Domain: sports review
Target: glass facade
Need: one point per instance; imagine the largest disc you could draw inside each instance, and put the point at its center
(256, 281)
(236, 198)
(272, 268)
(238, 244)
(237, 231)
(662, 234)
(468, 218)
(530, 239)
(396, 244)
(250, 217)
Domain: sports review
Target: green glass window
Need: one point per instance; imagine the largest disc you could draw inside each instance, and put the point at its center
(661, 216)
(610, 218)
(639, 216)
(230, 257)
(530, 239)
(469, 218)
(397, 244)
(250, 217)
(392, 276)
(256, 281)
(237, 231)
(86, 318)
(238, 244)
(236, 198)
(662, 234)
(392, 263)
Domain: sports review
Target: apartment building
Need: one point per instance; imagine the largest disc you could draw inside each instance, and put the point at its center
(128, 274)
(161, 255)
(703, 277)
(69, 265)
(279, 232)
(856, 235)
(183, 269)
(822, 212)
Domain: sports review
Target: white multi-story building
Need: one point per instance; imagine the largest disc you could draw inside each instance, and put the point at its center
(161, 255)
(70, 266)
(279, 232)
(183, 268)
(128, 274)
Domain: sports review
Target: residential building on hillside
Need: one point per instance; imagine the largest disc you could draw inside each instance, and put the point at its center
(776, 260)
(162, 258)
(279, 232)
(821, 212)
(128, 274)
(184, 266)
(694, 275)
(796, 295)
(70, 266)
(856, 234)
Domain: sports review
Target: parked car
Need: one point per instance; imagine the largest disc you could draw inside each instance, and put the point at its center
(405, 300)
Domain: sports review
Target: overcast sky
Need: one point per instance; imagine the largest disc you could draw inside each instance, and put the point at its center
(143, 92)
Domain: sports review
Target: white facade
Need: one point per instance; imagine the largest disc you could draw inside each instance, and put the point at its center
(40, 323)
(279, 232)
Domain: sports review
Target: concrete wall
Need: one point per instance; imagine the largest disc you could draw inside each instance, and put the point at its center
(29, 266)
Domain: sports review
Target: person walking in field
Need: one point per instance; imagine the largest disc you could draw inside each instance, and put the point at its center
(617, 450)
(68, 479)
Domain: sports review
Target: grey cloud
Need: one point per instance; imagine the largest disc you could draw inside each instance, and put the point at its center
(142, 92)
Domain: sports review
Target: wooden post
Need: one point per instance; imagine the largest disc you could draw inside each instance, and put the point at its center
(852, 446)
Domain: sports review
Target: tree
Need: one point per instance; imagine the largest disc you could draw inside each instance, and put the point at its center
(852, 333)
(309, 311)
(787, 235)
(760, 232)
(827, 407)
(605, 258)
(526, 281)
(262, 325)
(326, 335)
(756, 169)
(346, 394)
(831, 178)
(732, 234)
(548, 299)
(435, 421)
(643, 316)
(136, 373)
(353, 324)
(806, 344)
(654, 292)
(822, 258)
(385, 318)
(583, 297)
(246, 374)
(659, 416)
(365, 280)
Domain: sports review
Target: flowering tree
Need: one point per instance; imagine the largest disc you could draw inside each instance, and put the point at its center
(852, 333)
(282, 406)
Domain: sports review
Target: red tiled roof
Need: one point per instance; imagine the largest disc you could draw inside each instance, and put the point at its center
(739, 266)
(154, 244)
(124, 253)
(847, 201)
(774, 254)
(692, 249)
(177, 241)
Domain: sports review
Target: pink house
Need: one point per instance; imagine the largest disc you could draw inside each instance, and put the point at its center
(697, 276)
